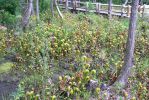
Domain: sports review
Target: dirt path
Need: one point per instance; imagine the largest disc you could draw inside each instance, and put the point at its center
(6, 88)
(9, 79)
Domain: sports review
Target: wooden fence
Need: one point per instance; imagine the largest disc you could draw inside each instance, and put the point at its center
(99, 8)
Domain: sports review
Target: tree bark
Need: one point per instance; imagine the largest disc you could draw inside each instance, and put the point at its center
(32, 11)
(51, 7)
(128, 60)
(37, 10)
(27, 14)
(110, 9)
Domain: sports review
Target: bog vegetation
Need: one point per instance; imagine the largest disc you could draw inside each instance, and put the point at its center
(56, 58)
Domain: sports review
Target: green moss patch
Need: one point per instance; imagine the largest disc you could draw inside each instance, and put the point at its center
(5, 67)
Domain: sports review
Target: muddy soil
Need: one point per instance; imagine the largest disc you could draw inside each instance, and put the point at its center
(6, 88)
(8, 83)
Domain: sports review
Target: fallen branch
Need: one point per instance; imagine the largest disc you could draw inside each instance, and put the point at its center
(59, 12)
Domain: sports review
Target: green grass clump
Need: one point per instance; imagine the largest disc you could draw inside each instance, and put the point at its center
(5, 67)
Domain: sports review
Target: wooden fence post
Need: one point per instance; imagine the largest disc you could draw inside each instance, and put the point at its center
(66, 5)
(78, 3)
(110, 9)
(140, 10)
(74, 5)
(143, 8)
(128, 10)
(97, 8)
(122, 10)
(87, 5)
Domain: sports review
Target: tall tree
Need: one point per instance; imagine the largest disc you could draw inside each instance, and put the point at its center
(27, 14)
(128, 60)
(37, 10)
(51, 7)
(110, 9)
(32, 11)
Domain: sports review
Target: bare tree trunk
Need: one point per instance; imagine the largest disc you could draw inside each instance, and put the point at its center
(128, 61)
(27, 14)
(37, 10)
(110, 9)
(51, 7)
(32, 12)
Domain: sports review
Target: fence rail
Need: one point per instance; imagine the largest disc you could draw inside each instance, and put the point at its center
(96, 7)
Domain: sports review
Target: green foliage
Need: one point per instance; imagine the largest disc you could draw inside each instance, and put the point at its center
(8, 12)
(2, 43)
(5, 67)
(145, 1)
(44, 5)
(76, 84)
(90, 5)
(7, 19)
(9, 6)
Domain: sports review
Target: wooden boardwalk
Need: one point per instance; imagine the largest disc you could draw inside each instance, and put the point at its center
(99, 8)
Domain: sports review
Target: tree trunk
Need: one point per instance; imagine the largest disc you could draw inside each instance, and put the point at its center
(37, 10)
(110, 9)
(51, 7)
(32, 11)
(128, 61)
(27, 14)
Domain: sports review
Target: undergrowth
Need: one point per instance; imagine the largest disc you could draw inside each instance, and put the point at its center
(87, 47)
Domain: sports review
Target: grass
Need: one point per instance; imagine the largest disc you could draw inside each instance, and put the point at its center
(5, 67)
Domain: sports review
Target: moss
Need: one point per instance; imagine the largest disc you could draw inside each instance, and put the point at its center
(2, 34)
(5, 67)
